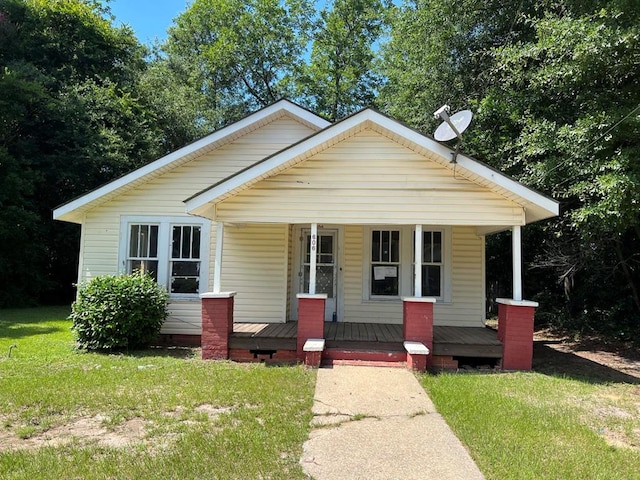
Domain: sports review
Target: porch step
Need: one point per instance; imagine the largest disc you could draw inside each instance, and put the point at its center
(366, 356)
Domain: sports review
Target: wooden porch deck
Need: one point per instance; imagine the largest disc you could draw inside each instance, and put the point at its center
(453, 341)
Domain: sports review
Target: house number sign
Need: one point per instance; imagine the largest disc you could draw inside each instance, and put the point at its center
(313, 243)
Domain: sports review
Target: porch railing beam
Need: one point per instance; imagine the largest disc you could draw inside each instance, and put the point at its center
(217, 268)
(516, 247)
(417, 268)
(313, 261)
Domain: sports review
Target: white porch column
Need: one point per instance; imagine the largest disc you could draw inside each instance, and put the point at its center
(313, 249)
(417, 267)
(516, 248)
(217, 268)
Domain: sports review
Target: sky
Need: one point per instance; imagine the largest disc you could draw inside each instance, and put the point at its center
(149, 19)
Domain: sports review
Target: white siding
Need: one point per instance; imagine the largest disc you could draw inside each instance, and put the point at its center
(165, 196)
(367, 179)
(255, 266)
(466, 307)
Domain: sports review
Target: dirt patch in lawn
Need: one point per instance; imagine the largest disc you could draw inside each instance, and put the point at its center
(84, 430)
(93, 430)
(588, 358)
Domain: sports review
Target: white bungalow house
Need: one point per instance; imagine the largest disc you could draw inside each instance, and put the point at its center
(236, 215)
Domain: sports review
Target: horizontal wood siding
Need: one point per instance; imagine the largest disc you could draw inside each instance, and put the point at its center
(466, 307)
(368, 178)
(165, 196)
(467, 303)
(254, 265)
(185, 317)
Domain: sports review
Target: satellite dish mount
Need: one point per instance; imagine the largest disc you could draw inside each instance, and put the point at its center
(452, 126)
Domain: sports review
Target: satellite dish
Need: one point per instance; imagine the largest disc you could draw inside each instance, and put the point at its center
(453, 125)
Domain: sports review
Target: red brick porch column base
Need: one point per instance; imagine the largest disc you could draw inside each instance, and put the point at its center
(217, 324)
(515, 331)
(310, 319)
(417, 321)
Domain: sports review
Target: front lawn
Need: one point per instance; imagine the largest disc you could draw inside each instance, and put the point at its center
(537, 426)
(160, 413)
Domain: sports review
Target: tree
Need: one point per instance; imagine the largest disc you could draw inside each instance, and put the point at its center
(73, 117)
(340, 77)
(555, 90)
(241, 54)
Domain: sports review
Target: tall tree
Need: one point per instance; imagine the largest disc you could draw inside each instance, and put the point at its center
(72, 117)
(555, 85)
(340, 77)
(241, 54)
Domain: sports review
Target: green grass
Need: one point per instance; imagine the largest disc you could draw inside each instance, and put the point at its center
(535, 426)
(199, 419)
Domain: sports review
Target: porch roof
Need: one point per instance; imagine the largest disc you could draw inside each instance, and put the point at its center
(535, 205)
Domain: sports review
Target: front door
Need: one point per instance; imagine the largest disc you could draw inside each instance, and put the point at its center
(326, 268)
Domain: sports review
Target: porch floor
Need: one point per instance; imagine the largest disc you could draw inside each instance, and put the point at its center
(452, 341)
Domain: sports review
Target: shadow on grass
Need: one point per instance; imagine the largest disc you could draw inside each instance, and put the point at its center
(23, 331)
(549, 361)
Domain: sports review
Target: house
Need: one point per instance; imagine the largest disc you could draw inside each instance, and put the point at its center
(230, 222)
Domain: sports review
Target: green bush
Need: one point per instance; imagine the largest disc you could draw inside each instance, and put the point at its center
(114, 312)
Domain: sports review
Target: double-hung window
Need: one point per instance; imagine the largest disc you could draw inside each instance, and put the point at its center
(173, 250)
(185, 258)
(432, 270)
(389, 262)
(143, 249)
(385, 263)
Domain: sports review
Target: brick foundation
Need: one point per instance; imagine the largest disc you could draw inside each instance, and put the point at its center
(217, 324)
(417, 323)
(279, 357)
(515, 331)
(178, 340)
(443, 362)
(310, 319)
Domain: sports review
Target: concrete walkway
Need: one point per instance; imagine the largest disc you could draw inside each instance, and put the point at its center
(378, 424)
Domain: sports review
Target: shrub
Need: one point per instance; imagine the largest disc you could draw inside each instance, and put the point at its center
(118, 311)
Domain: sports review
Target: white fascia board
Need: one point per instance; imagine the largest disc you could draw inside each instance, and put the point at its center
(65, 212)
(263, 168)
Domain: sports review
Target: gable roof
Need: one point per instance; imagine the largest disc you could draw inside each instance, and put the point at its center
(73, 211)
(537, 206)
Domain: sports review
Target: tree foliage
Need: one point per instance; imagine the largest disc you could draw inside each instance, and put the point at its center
(340, 76)
(73, 115)
(241, 54)
(557, 93)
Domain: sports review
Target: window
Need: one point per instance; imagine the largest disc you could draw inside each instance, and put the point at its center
(185, 259)
(385, 263)
(389, 262)
(143, 250)
(172, 250)
(432, 264)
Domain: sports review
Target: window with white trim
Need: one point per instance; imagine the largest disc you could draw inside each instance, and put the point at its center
(171, 249)
(185, 258)
(143, 249)
(432, 267)
(385, 263)
(389, 262)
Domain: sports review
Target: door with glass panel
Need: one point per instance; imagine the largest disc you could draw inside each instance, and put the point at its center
(326, 268)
